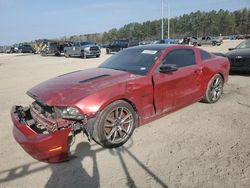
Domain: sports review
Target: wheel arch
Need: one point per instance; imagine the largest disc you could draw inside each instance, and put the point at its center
(221, 76)
(126, 100)
(210, 78)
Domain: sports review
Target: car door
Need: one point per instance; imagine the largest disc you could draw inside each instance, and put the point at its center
(78, 48)
(178, 88)
(116, 46)
(209, 40)
(203, 40)
(73, 49)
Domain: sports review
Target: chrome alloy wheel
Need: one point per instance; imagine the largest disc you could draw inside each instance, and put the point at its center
(216, 89)
(118, 125)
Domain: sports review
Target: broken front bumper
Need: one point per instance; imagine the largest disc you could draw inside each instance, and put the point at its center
(50, 148)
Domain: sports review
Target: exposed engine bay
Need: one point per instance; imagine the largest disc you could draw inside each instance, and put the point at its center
(44, 119)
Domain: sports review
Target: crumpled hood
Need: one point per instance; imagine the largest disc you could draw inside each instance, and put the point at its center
(69, 88)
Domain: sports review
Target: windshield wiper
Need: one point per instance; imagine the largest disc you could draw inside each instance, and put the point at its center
(119, 69)
(126, 70)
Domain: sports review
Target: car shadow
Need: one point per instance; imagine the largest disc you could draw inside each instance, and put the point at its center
(130, 182)
(21, 171)
(73, 173)
(50, 55)
(120, 151)
(78, 57)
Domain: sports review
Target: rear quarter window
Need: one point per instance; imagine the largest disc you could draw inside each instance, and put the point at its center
(205, 55)
(180, 57)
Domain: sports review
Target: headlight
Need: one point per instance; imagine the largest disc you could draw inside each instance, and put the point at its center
(68, 113)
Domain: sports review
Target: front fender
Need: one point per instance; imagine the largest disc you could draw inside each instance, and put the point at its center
(137, 92)
(94, 103)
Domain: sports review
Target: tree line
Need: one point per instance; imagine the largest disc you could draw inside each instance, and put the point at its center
(212, 23)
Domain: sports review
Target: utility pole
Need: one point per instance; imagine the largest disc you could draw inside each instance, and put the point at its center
(162, 23)
(168, 20)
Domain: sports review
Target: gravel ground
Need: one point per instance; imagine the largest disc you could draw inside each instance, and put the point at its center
(201, 145)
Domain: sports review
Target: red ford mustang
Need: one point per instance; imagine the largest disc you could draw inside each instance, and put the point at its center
(133, 87)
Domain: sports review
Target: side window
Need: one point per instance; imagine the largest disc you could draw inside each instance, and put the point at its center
(204, 55)
(180, 57)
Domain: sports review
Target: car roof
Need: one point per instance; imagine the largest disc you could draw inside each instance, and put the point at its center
(157, 47)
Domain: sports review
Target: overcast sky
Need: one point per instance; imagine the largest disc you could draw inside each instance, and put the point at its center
(26, 20)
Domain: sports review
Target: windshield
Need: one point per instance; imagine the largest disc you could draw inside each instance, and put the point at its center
(53, 44)
(134, 60)
(26, 45)
(85, 43)
(244, 44)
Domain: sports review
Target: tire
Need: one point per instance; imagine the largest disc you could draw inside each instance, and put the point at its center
(195, 44)
(115, 124)
(213, 43)
(97, 56)
(66, 55)
(43, 54)
(107, 51)
(58, 53)
(83, 55)
(214, 89)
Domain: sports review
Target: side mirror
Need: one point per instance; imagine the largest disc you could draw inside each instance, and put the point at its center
(230, 49)
(166, 68)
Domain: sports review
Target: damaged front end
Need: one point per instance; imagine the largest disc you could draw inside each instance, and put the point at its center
(46, 132)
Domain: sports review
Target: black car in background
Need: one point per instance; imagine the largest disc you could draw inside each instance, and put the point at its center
(239, 57)
(117, 45)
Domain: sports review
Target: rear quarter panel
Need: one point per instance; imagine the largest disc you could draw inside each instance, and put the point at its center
(213, 66)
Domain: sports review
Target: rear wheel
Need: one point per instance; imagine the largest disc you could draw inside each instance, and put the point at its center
(83, 55)
(214, 43)
(107, 50)
(66, 54)
(214, 90)
(115, 124)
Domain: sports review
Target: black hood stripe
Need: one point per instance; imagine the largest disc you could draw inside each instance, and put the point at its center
(94, 78)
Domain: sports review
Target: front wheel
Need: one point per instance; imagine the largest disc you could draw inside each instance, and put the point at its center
(43, 53)
(214, 90)
(115, 124)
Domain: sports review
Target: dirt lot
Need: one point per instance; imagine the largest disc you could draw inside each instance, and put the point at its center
(201, 145)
